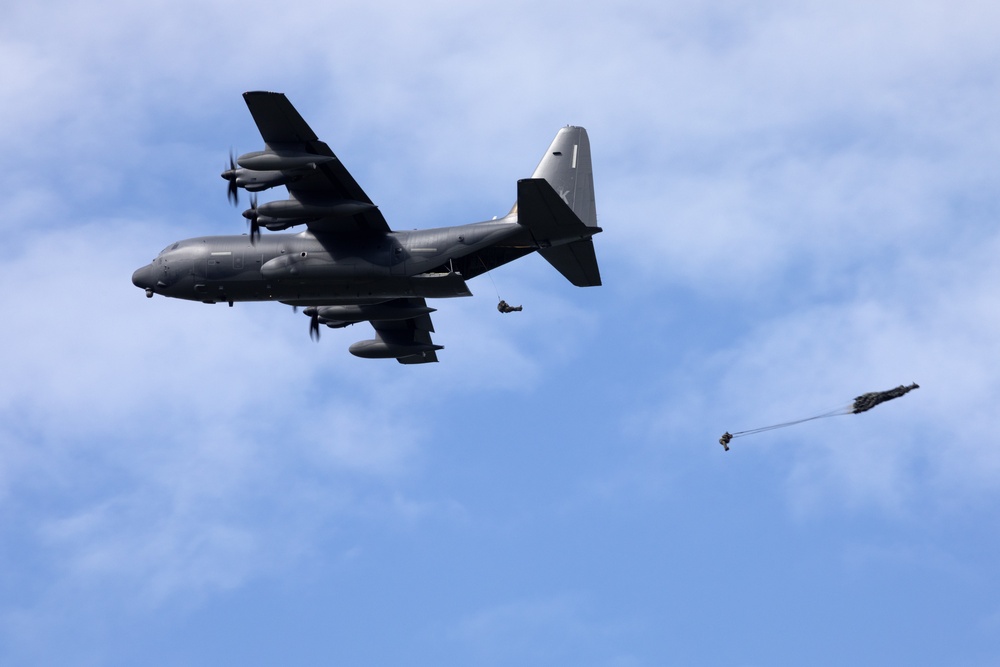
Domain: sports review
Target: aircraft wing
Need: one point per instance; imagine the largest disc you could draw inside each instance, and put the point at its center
(403, 328)
(413, 333)
(330, 198)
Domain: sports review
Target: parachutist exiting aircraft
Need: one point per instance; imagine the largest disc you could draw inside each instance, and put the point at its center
(348, 266)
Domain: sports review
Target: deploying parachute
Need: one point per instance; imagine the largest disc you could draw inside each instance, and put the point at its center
(866, 402)
(862, 403)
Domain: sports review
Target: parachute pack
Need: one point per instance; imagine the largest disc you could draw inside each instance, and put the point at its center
(862, 403)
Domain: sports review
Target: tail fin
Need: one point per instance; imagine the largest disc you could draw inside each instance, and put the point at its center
(568, 169)
(557, 206)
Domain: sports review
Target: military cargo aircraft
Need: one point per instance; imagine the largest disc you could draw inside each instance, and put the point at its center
(348, 266)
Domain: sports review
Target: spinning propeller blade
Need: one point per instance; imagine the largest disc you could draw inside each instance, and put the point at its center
(313, 314)
(232, 191)
(251, 215)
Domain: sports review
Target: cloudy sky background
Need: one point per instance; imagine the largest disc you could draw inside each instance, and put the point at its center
(800, 203)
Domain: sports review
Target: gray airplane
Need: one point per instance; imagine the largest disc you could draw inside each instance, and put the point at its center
(348, 266)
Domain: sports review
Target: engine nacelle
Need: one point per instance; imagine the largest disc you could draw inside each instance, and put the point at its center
(361, 313)
(279, 224)
(281, 161)
(293, 208)
(379, 349)
(258, 181)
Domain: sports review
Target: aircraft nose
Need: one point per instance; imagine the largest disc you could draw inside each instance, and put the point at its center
(143, 277)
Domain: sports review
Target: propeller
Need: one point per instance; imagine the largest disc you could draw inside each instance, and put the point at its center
(251, 215)
(232, 191)
(313, 313)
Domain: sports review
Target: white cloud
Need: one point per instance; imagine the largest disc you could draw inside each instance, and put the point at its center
(935, 324)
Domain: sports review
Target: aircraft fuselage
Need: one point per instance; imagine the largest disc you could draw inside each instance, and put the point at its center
(315, 268)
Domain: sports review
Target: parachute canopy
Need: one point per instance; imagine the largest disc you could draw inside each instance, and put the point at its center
(866, 402)
(862, 403)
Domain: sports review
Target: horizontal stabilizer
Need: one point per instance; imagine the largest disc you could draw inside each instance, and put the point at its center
(576, 261)
(563, 239)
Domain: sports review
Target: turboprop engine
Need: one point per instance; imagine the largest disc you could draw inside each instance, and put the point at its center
(281, 160)
(258, 181)
(364, 312)
(261, 170)
(337, 317)
(285, 213)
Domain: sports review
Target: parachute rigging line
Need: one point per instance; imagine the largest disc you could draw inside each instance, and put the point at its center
(862, 403)
(490, 274)
(844, 410)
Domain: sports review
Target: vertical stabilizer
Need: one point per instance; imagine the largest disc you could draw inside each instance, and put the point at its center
(567, 168)
(556, 205)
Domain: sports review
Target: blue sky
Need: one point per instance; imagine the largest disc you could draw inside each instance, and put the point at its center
(800, 203)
